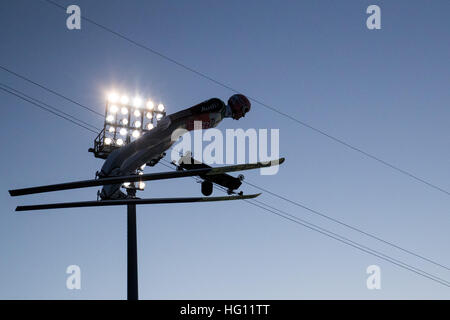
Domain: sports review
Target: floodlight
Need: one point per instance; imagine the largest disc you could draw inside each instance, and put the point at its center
(160, 107)
(137, 113)
(124, 122)
(141, 185)
(150, 105)
(108, 141)
(136, 134)
(159, 116)
(137, 124)
(124, 110)
(137, 102)
(114, 108)
(113, 97)
(150, 126)
(119, 142)
(123, 132)
(112, 129)
(110, 118)
(124, 100)
(149, 115)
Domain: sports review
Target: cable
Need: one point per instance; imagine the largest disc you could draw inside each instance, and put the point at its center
(265, 190)
(47, 109)
(338, 140)
(293, 218)
(49, 106)
(362, 248)
(333, 235)
(346, 239)
(262, 189)
(346, 225)
(51, 91)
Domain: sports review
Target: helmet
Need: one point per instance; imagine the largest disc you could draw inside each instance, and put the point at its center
(239, 105)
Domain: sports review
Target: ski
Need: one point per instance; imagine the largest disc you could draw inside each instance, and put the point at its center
(144, 177)
(104, 203)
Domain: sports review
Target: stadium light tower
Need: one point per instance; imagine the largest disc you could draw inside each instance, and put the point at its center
(126, 120)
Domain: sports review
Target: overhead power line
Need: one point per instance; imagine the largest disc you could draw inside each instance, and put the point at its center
(260, 188)
(353, 244)
(283, 214)
(38, 103)
(48, 106)
(276, 110)
(346, 225)
(333, 235)
(50, 90)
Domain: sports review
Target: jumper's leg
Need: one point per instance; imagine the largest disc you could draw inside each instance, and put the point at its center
(129, 158)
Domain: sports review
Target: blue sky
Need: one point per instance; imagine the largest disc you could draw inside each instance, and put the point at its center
(384, 91)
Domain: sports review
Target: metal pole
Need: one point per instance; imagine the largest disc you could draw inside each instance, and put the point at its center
(132, 265)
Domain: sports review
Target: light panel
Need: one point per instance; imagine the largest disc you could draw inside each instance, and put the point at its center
(129, 118)
(114, 108)
(137, 102)
(113, 97)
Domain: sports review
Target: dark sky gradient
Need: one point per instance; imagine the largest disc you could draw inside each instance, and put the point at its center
(385, 91)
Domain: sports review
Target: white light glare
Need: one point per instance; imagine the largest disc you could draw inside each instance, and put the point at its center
(124, 110)
(108, 141)
(112, 129)
(124, 122)
(124, 100)
(123, 132)
(150, 126)
(143, 166)
(136, 134)
(160, 107)
(149, 115)
(119, 142)
(137, 124)
(141, 185)
(150, 105)
(159, 116)
(126, 184)
(137, 113)
(110, 118)
(137, 102)
(114, 108)
(113, 97)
